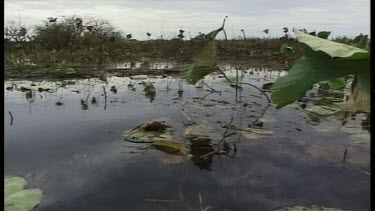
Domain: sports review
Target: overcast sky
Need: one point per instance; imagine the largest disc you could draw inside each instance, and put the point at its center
(342, 17)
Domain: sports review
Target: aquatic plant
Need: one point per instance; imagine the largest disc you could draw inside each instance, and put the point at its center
(17, 198)
(325, 60)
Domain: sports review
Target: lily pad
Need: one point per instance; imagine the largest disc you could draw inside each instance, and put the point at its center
(18, 199)
(13, 184)
(310, 208)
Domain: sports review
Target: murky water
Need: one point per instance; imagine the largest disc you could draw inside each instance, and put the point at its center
(71, 146)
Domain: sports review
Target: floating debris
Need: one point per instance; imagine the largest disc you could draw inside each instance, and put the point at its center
(310, 208)
(149, 132)
(171, 147)
(323, 110)
(138, 77)
(113, 89)
(150, 90)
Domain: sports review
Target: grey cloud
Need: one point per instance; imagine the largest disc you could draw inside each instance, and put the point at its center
(343, 17)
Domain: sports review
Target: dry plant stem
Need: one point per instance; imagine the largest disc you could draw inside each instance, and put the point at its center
(105, 98)
(186, 116)
(221, 141)
(225, 76)
(11, 117)
(212, 89)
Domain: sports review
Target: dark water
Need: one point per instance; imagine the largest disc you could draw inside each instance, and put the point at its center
(72, 149)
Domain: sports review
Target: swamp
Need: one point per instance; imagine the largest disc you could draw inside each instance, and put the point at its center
(98, 120)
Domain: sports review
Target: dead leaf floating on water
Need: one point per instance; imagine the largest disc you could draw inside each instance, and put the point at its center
(159, 135)
(254, 133)
(149, 132)
(171, 147)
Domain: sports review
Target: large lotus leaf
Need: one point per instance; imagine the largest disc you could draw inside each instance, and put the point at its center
(207, 56)
(310, 70)
(332, 49)
(213, 34)
(337, 83)
(204, 62)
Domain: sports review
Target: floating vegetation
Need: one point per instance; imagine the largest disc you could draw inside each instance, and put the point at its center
(253, 133)
(171, 147)
(16, 198)
(149, 132)
(139, 77)
(323, 110)
(358, 135)
(159, 135)
(309, 208)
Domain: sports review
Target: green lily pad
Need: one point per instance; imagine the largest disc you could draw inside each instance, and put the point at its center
(18, 199)
(13, 184)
